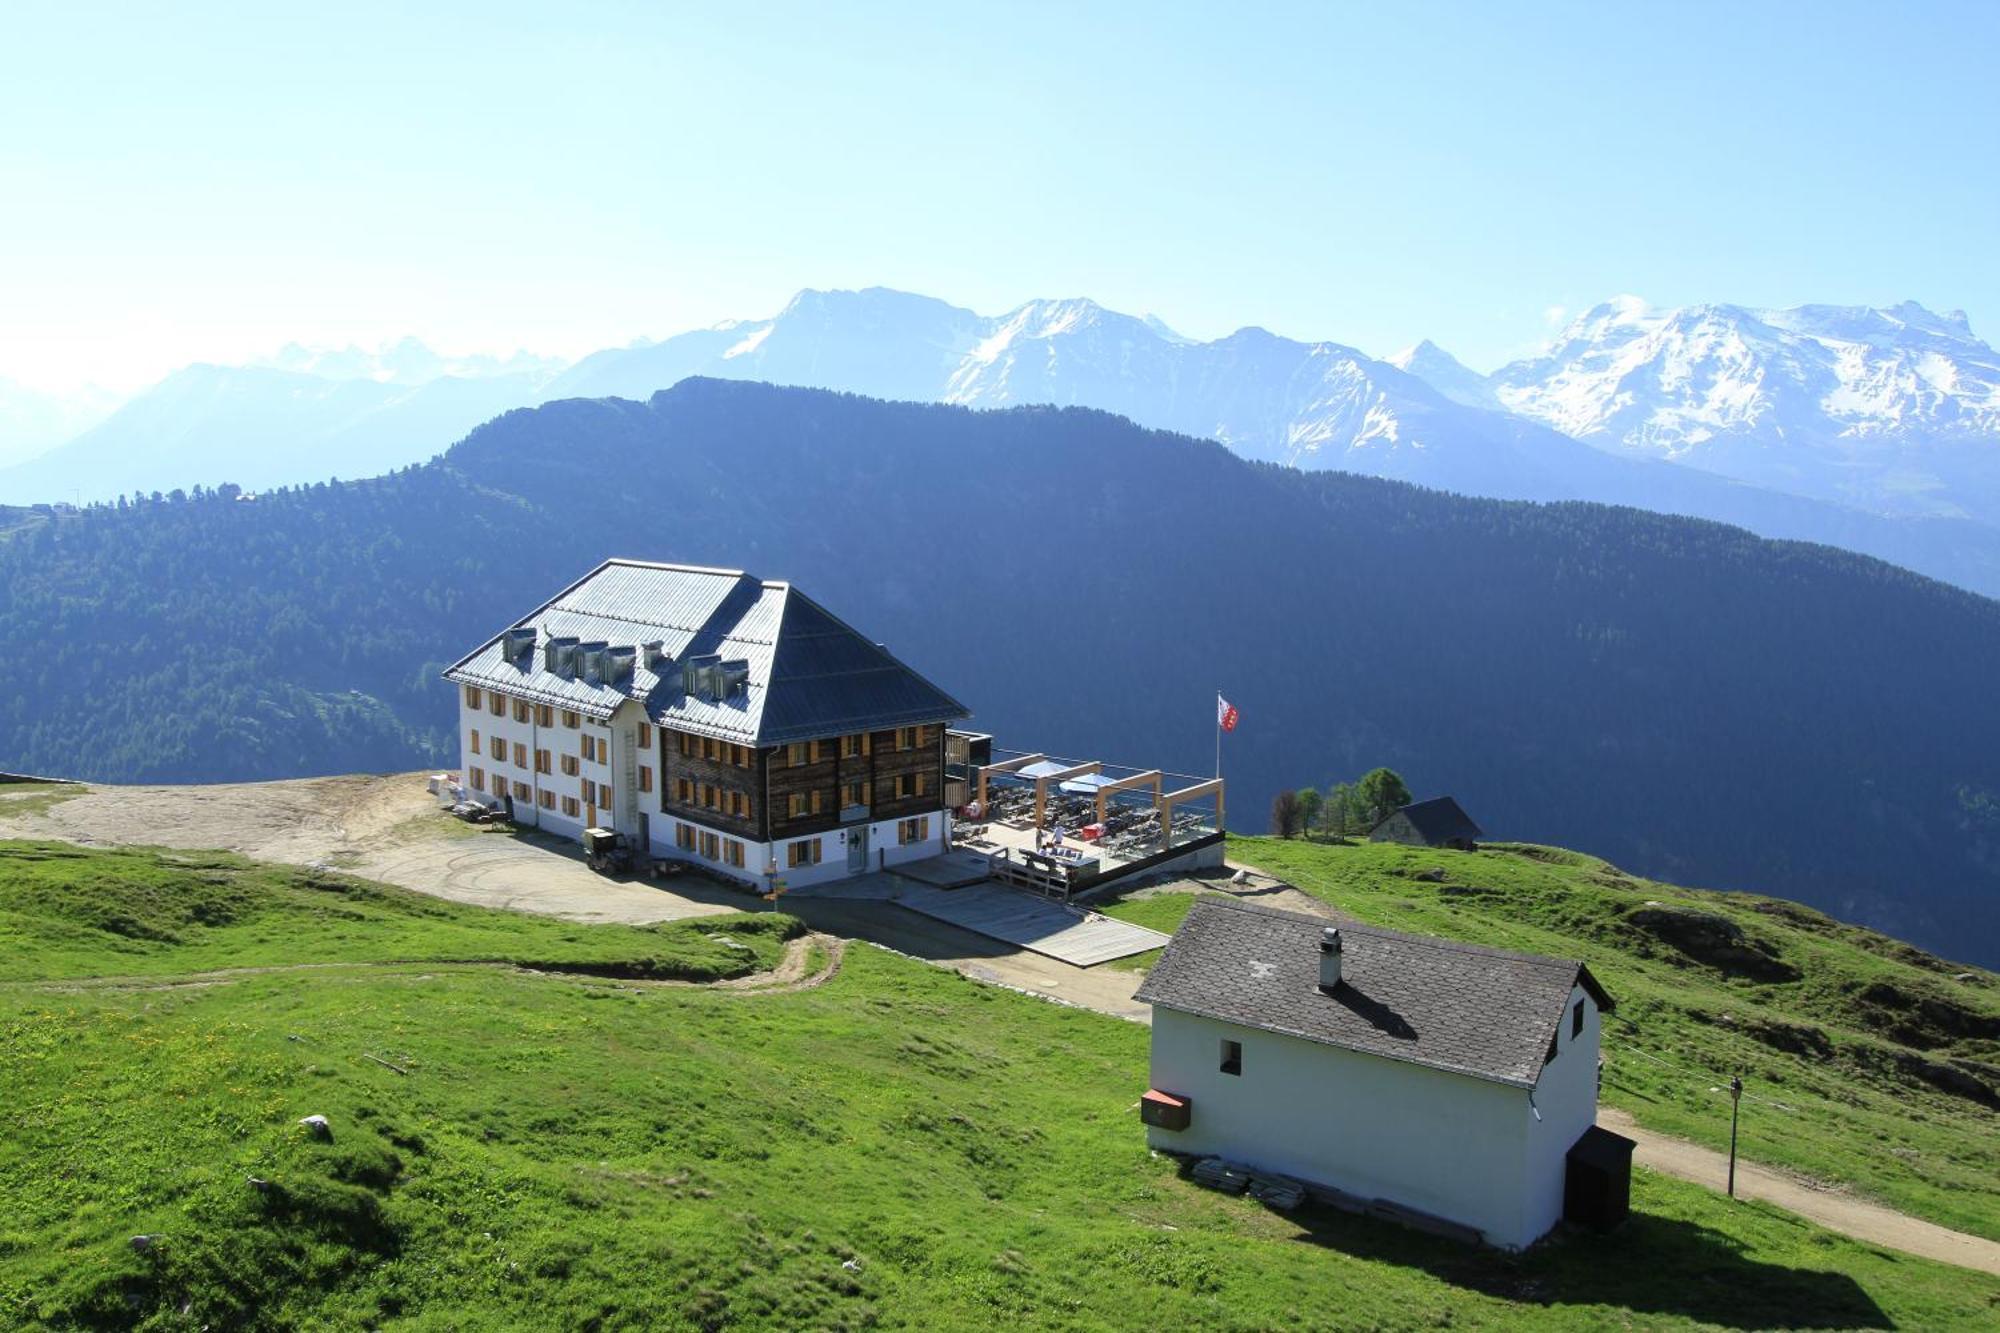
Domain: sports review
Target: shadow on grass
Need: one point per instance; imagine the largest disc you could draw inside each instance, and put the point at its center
(1647, 1265)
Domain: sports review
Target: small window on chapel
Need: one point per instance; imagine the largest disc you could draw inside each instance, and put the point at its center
(1232, 1057)
(1576, 1020)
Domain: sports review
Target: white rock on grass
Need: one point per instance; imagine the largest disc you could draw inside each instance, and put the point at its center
(317, 1126)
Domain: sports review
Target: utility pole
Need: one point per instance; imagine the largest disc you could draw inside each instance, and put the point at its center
(1735, 1104)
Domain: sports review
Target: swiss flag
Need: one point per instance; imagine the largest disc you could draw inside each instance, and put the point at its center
(1225, 714)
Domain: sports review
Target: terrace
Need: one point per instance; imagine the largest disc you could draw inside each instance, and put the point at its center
(1064, 826)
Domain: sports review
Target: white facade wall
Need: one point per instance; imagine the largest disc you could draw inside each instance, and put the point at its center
(590, 770)
(496, 769)
(1566, 1096)
(1456, 1147)
(884, 849)
(619, 735)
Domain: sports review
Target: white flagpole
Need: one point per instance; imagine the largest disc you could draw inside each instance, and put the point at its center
(1218, 733)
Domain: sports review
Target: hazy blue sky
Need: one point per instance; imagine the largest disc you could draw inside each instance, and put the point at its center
(208, 181)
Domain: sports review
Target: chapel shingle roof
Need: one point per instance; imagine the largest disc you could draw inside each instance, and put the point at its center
(1486, 1013)
(809, 673)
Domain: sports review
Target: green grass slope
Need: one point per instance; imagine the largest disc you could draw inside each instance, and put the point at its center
(1866, 1061)
(897, 1148)
(71, 912)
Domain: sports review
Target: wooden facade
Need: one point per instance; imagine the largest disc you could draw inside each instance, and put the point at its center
(712, 782)
(808, 787)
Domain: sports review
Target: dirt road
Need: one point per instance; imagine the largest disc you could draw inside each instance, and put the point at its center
(1864, 1221)
(788, 974)
(384, 828)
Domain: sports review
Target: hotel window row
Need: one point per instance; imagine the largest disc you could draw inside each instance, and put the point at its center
(710, 846)
(722, 800)
(711, 749)
(855, 746)
(543, 715)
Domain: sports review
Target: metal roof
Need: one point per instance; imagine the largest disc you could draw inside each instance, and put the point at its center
(810, 674)
(1485, 1013)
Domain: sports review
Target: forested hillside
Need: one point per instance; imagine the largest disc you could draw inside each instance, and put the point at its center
(1679, 696)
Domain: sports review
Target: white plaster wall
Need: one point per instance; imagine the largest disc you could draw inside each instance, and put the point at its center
(1452, 1146)
(623, 769)
(883, 839)
(883, 850)
(558, 740)
(1567, 1098)
(832, 860)
(661, 835)
(506, 728)
(599, 773)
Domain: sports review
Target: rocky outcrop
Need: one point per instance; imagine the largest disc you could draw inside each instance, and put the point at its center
(1714, 940)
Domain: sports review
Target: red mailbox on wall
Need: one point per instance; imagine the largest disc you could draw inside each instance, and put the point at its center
(1163, 1110)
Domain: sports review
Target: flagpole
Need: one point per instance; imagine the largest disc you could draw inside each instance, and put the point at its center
(1218, 733)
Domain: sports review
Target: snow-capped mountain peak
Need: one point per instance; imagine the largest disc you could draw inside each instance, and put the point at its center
(1896, 409)
(1447, 374)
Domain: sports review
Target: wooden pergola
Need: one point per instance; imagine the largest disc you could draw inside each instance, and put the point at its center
(1061, 775)
(1167, 802)
(1004, 766)
(1150, 778)
(1163, 801)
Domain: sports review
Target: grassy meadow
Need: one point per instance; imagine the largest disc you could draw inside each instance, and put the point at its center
(34, 796)
(897, 1148)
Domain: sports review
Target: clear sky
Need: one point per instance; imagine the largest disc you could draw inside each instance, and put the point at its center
(207, 181)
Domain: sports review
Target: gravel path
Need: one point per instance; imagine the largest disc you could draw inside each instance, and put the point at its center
(1864, 1221)
(788, 975)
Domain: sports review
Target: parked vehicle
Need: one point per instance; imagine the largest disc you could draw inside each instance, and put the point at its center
(603, 852)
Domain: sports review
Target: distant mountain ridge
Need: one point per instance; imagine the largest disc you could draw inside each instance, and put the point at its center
(406, 361)
(261, 427)
(1678, 695)
(1420, 416)
(33, 421)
